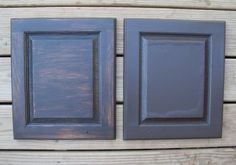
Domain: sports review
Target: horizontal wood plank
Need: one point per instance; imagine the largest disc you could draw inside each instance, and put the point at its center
(230, 80)
(5, 80)
(229, 94)
(226, 156)
(208, 4)
(7, 141)
(118, 13)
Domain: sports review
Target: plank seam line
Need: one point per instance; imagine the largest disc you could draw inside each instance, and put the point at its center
(6, 103)
(230, 57)
(9, 55)
(5, 55)
(229, 102)
(116, 6)
(10, 103)
(117, 55)
(116, 150)
(117, 102)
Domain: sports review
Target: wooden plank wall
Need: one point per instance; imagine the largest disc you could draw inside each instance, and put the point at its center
(182, 152)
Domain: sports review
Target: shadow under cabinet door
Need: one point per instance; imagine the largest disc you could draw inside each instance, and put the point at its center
(173, 79)
(63, 78)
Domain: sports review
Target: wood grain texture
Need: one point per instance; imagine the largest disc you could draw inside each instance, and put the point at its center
(5, 80)
(209, 4)
(118, 13)
(7, 141)
(63, 78)
(229, 84)
(222, 156)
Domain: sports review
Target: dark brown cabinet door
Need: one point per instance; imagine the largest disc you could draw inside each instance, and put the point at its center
(63, 78)
(173, 79)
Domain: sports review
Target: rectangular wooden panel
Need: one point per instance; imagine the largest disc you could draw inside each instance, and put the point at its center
(63, 78)
(7, 141)
(174, 78)
(119, 13)
(220, 156)
(211, 4)
(57, 60)
(175, 58)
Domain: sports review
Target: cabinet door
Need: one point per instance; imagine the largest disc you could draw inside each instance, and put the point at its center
(63, 78)
(173, 79)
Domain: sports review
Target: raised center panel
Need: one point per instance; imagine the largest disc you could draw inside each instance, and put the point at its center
(172, 76)
(62, 75)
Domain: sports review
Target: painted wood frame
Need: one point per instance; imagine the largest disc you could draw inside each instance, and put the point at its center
(63, 78)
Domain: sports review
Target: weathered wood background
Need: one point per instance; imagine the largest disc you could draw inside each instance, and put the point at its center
(183, 152)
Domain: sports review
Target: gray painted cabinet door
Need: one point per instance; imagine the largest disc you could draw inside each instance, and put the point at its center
(173, 79)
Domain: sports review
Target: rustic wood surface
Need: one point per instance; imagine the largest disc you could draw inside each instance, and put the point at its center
(68, 82)
(118, 13)
(5, 79)
(207, 4)
(219, 156)
(229, 92)
(7, 141)
(224, 10)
